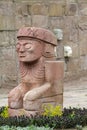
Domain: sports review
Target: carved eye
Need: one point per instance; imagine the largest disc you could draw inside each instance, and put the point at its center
(27, 46)
(17, 46)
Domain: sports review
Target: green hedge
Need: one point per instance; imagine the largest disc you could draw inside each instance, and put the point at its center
(69, 119)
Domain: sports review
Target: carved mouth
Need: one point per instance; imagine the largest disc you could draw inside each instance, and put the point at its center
(21, 56)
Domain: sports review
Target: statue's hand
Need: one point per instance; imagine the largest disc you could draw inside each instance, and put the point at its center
(31, 99)
(36, 92)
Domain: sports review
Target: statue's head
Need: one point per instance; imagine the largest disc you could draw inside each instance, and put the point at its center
(33, 43)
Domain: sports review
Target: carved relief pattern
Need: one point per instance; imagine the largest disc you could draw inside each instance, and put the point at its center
(35, 72)
(23, 69)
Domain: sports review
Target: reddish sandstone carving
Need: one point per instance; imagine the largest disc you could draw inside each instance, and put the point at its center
(41, 74)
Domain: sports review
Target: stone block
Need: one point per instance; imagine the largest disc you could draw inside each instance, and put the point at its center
(7, 38)
(75, 51)
(22, 15)
(11, 37)
(83, 9)
(9, 73)
(70, 31)
(22, 9)
(2, 22)
(21, 21)
(82, 23)
(6, 22)
(71, 1)
(25, 10)
(56, 9)
(42, 22)
(39, 9)
(83, 62)
(8, 53)
(9, 81)
(9, 23)
(6, 15)
(18, 9)
(73, 65)
(82, 28)
(71, 9)
(1, 39)
(8, 8)
(8, 67)
(56, 22)
(82, 1)
(5, 7)
(55, 74)
(55, 94)
(83, 47)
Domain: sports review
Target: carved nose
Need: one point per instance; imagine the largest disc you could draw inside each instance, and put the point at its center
(22, 49)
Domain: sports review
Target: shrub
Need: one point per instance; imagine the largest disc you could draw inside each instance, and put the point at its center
(70, 118)
(50, 110)
(4, 112)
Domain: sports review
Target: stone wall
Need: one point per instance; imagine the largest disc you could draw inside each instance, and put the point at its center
(68, 15)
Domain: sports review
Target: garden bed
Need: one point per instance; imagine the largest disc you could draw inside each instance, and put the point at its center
(54, 119)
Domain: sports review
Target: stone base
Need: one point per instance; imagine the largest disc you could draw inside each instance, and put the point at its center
(20, 112)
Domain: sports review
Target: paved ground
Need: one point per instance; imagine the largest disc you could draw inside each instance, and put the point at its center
(75, 93)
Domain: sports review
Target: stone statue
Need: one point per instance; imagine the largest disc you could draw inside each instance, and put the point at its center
(41, 74)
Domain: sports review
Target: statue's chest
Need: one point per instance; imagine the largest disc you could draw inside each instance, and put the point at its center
(33, 75)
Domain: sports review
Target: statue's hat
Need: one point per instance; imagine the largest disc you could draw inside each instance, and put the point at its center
(38, 33)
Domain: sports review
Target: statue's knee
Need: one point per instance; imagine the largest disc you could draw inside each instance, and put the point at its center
(15, 99)
(15, 104)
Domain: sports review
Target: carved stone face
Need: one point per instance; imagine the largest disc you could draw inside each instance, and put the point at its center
(29, 50)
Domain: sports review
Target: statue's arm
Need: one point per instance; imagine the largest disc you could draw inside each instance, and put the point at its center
(37, 92)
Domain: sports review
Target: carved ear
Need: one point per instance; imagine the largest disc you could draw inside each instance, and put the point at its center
(49, 51)
(47, 48)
